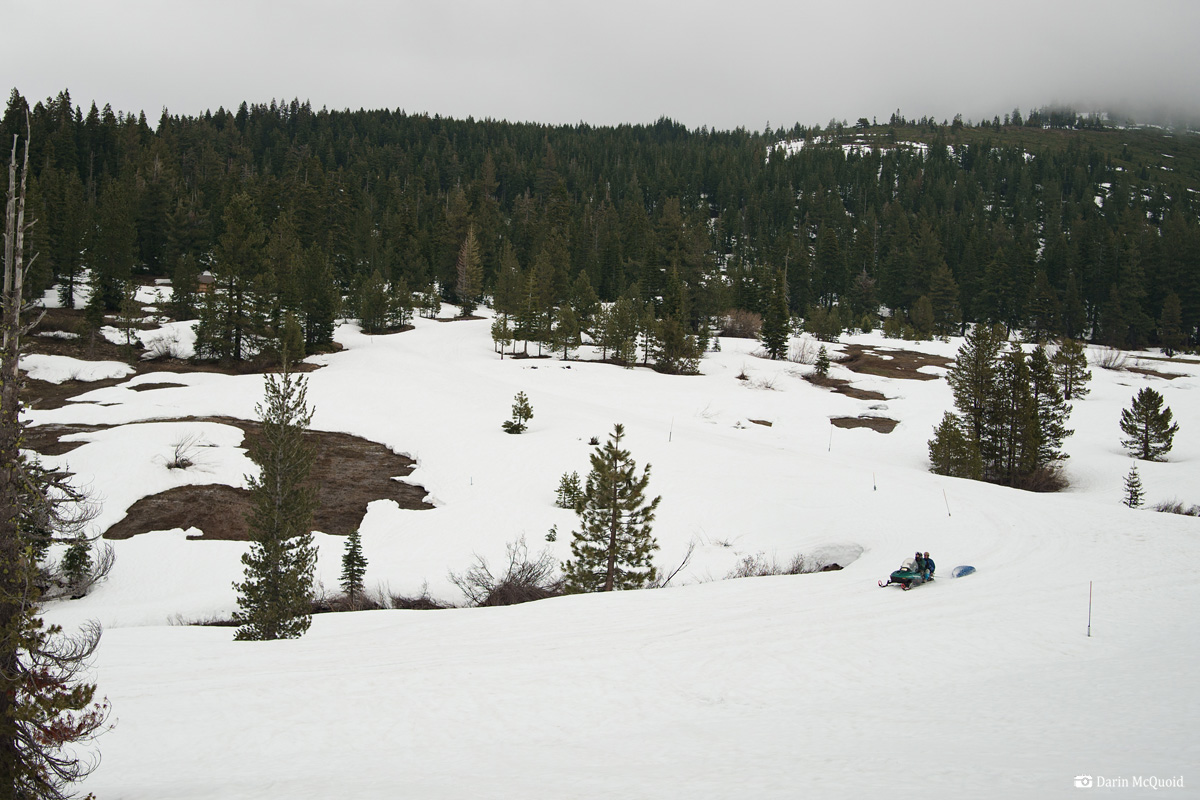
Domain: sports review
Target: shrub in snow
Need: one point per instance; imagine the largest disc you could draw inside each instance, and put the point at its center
(522, 580)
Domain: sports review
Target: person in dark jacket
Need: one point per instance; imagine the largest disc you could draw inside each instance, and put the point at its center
(929, 567)
(920, 565)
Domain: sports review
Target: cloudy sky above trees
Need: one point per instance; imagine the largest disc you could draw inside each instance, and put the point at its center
(719, 64)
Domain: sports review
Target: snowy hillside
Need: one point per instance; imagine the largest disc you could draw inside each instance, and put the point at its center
(817, 685)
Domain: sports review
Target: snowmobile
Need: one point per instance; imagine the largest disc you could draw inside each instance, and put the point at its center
(906, 577)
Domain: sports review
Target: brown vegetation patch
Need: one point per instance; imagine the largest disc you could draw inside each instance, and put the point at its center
(877, 424)
(349, 472)
(767, 423)
(842, 386)
(1170, 376)
(899, 364)
(47, 439)
(44, 395)
(149, 387)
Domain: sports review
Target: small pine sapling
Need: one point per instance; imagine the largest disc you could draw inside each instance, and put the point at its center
(1133, 488)
(522, 412)
(354, 567)
(570, 489)
(77, 562)
(822, 365)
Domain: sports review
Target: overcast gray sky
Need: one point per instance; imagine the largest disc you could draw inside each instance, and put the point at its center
(720, 64)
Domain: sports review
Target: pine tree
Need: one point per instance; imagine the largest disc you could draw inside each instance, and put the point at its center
(1052, 408)
(275, 599)
(502, 334)
(522, 412)
(77, 561)
(1013, 416)
(354, 567)
(1170, 325)
(47, 710)
(1070, 365)
(1133, 488)
(822, 365)
(776, 328)
(569, 490)
(943, 296)
(953, 452)
(469, 270)
(973, 377)
(613, 548)
(1149, 432)
(373, 304)
(565, 336)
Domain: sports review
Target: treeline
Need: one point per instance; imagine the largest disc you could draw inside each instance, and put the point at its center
(1054, 227)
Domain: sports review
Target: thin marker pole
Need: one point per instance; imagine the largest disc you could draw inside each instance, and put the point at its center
(828, 449)
(671, 432)
(874, 485)
(947, 499)
(1089, 609)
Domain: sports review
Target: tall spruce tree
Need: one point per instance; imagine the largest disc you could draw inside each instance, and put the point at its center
(1014, 419)
(614, 546)
(469, 271)
(275, 599)
(973, 377)
(1070, 365)
(776, 328)
(1149, 431)
(354, 567)
(1052, 409)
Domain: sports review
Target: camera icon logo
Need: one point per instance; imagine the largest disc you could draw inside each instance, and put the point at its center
(1083, 781)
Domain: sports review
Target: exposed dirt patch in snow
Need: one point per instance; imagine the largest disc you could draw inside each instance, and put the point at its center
(47, 439)
(891, 363)
(45, 395)
(349, 472)
(878, 424)
(842, 386)
(146, 387)
(1170, 376)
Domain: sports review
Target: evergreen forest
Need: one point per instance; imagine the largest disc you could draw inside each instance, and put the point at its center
(1053, 223)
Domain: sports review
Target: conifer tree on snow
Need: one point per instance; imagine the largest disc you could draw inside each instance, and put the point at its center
(354, 567)
(1133, 488)
(1070, 365)
(522, 412)
(1052, 409)
(469, 270)
(1149, 431)
(569, 490)
(776, 328)
(1170, 325)
(822, 365)
(275, 599)
(953, 452)
(1014, 417)
(613, 548)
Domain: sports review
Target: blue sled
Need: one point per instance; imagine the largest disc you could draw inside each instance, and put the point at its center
(959, 572)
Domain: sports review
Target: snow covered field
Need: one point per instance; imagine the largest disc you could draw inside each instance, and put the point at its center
(796, 686)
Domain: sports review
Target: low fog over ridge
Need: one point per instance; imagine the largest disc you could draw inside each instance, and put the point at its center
(698, 63)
